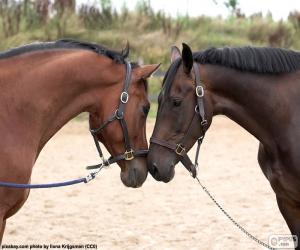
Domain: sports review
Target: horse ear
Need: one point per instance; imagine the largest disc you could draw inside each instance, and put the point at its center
(187, 58)
(125, 51)
(175, 53)
(145, 71)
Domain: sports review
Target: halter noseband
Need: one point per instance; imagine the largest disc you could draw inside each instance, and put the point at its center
(179, 148)
(129, 153)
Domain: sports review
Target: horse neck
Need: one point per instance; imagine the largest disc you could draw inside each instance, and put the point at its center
(246, 98)
(58, 89)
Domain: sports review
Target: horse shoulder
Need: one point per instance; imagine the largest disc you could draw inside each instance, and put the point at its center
(282, 168)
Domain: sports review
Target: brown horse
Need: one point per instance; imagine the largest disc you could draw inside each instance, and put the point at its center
(44, 85)
(258, 88)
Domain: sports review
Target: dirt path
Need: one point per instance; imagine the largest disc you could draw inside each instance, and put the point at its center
(177, 215)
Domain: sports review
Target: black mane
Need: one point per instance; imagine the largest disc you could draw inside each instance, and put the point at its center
(119, 57)
(252, 59)
(262, 60)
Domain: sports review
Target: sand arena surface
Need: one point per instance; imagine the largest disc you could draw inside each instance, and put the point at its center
(177, 215)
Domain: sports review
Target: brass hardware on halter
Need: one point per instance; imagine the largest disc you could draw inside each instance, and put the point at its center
(129, 155)
(180, 150)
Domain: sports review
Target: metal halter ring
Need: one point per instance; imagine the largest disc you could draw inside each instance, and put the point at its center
(124, 97)
(105, 163)
(180, 149)
(204, 122)
(117, 115)
(199, 91)
(197, 109)
(129, 155)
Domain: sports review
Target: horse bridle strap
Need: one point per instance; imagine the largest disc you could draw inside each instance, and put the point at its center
(129, 153)
(179, 148)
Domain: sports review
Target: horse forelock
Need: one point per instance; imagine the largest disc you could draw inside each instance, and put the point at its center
(169, 76)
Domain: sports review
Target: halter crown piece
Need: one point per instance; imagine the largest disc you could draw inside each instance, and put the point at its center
(179, 148)
(129, 153)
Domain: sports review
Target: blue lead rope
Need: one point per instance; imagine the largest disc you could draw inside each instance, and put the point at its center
(86, 179)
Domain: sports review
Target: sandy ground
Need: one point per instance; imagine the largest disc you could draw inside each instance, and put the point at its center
(177, 215)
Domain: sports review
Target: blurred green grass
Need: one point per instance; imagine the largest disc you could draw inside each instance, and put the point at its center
(153, 91)
(150, 33)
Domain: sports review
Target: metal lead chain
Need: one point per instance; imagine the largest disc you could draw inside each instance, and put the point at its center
(232, 220)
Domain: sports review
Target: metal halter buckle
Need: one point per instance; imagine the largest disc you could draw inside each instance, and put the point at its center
(204, 122)
(199, 91)
(124, 97)
(180, 149)
(129, 155)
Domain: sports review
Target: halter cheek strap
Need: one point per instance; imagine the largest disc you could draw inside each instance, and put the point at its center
(180, 148)
(129, 153)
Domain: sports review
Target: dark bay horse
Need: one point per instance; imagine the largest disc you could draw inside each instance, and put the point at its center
(258, 88)
(44, 85)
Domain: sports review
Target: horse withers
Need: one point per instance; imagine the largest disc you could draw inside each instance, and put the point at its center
(44, 85)
(258, 88)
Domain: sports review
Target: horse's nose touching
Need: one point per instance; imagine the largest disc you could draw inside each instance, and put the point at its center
(161, 168)
(134, 172)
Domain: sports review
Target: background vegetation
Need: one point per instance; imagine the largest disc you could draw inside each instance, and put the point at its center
(150, 33)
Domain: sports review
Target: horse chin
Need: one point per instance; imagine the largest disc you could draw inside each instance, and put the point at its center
(134, 173)
(166, 177)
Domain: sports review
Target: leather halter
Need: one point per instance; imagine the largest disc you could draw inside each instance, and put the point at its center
(179, 148)
(129, 153)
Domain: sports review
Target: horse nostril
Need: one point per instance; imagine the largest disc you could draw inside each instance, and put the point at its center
(155, 172)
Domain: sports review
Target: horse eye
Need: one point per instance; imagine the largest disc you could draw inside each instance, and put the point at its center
(176, 102)
(146, 109)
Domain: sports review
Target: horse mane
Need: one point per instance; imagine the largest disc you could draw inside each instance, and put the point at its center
(118, 57)
(263, 60)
